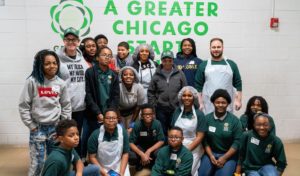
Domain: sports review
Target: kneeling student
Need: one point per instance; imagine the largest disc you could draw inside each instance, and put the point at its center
(60, 159)
(173, 159)
(145, 139)
(259, 149)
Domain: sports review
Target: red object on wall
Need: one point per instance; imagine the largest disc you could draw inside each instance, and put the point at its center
(274, 23)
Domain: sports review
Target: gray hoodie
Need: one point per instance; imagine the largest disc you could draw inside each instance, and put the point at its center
(73, 72)
(44, 104)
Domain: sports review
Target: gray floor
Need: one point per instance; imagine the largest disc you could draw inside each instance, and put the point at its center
(14, 160)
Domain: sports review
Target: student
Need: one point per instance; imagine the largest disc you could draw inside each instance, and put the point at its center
(73, 67)
(255, 105)
(187, 60)
(89, 49)
(43, 102)
(102, 42)
(145, 139)
(192, 122)
(173, 159)
(222, 139)
(261, 153)
(108, 146)
(63, 156)
(123, 57)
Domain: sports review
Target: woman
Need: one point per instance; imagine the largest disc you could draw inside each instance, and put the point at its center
(89, 47)
(259, 149)
(187, 60)
(132, 95)
(192, 122)
(222, 138)
(255, 105)
(143, 63)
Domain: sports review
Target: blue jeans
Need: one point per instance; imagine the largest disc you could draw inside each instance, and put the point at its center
(208, 169)
(40, 141)
(266, 170)
(78, 117)
(90, 170)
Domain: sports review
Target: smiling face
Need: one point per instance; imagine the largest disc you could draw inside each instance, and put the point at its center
(128, 77)
(256, 106)
(122, 52)
(220, 105)
(216, 49)
(187, 48)
(70, 139)
(50, 66)
(90, 47)
(144, 54)
(167, 63)
(102, 42)
(187, 98)
(71, 42)
(147, 115)
(262, 126)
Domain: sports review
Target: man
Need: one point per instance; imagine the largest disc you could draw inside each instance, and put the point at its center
(174, 159)
(72, 70)
(218, 73)
(145, 139)
(164, 87)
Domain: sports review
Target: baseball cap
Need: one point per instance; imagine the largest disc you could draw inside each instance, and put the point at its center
(167, 54)
(72, 31)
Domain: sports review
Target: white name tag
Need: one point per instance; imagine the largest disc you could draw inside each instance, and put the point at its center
(212, 129)
(254, 141)
(173, 156)
(143, 133)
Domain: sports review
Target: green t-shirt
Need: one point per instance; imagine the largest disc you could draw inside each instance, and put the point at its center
(256, 152)
(93, 140)
(179, 162)
(104, 81)
(201, 122)
(200, 74)
(59, 162)
(244, 122)
(223, 134)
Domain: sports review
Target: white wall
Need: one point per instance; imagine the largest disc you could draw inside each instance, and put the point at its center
(267, 59)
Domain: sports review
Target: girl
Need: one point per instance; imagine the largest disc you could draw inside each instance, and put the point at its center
(43, 102)
(89, 48)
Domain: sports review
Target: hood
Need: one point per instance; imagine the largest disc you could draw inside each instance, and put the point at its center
(64, 58)
(136, 80)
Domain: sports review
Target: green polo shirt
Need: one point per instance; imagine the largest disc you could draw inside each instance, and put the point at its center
(244, 122)
(256, 152)
(223, 134)
(146, 137)
(201, 122)
(200, 74)
(179, 163)
(104, 81)
(93, 140)
(59, 162)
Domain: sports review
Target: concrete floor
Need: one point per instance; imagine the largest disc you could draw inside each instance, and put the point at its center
(14, 160)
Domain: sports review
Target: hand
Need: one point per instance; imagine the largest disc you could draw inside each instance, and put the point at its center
(78, 174)
(221, 161)
(213, 160)
(100, 118)
(148, 153)
(201, 107)
(34, 130)
(145, 159)
(237, 105)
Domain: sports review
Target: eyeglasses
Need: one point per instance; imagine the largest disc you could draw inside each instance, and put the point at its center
(73, 40)
(175, 138)
(111, 118)
(106, 55)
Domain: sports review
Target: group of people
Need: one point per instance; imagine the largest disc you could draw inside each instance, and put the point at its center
(106, 114)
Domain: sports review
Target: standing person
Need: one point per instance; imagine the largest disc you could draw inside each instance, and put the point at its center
(187, 60)
(192, 122)
(102, 89)
(43, 102)
(102, 42)
(145, 139)
(218, 73)
(173, 159)
(73, 67)
(123, 57)
(163, 90)
(63, 156)
(256, 104)
(222, 139)
(132, 95)
(89, 48)
(108, 146)
(260, 149)
(143, 63)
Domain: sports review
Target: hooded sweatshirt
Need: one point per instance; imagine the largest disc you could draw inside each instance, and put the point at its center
(73, 72)
(44, 104)
(128, 61)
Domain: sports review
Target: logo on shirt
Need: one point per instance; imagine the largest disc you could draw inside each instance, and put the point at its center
(226, 125)
(178, 161)
(154, 132)
(47, 92)
(268, 149)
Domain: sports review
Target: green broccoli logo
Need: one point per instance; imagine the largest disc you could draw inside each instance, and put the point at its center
(71, 13)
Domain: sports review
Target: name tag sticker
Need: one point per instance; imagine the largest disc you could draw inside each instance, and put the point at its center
(143, 133)
(212, 129)
(254, 141)
(173, 156)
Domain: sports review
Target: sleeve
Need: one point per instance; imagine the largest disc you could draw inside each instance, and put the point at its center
(65, 102)
(157, 169)
(205, 140)
(183, 79)
(279, 155)
(76, 156)
(89, 99)
(52, 168)
(114, 93)
(236, 80)
(160, 133)
(175, 116)
(185, 168)
(200, 76)
(135, 132)
(92, 144)
(237, 132)
(125, 141)
(243, 147)
(152, 92)
(201, 122)
(273, 127)
(25, 104)
(141, 96)
(244, 122)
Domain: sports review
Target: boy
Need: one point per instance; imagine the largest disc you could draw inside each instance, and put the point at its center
(60, 159)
